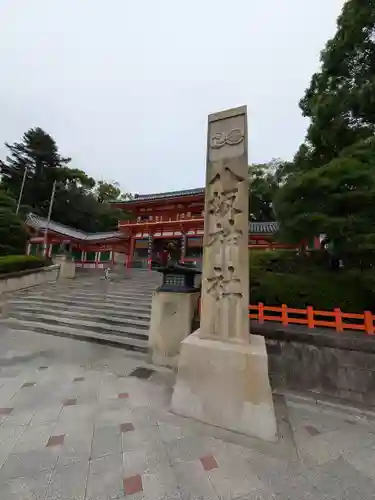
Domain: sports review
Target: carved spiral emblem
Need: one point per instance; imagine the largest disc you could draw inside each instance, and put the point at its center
(232, 138)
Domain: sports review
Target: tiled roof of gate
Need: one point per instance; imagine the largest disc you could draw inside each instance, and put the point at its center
(40, 223)
(161, 196)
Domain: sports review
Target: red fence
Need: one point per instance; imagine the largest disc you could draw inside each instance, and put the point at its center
(311, 318)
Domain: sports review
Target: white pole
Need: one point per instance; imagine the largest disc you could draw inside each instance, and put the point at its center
(49, 217)
(21, 191)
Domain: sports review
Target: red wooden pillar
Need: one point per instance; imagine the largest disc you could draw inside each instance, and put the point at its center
(129, 260)
(183, 245)
(149, 253)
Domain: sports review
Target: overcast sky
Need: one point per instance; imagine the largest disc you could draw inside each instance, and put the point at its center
(125, 87)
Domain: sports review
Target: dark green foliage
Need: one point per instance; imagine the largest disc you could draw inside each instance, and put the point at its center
(14, 263)
(78, 202)
(110, 191)
(336, 199)
(278, 278)
(330, 185)
(265, 180)
(13, 236)
(288, 261)
(340, 100)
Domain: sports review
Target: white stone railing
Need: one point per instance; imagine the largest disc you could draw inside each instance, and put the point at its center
(25, 279)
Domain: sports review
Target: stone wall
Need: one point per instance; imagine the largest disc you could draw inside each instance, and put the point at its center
(28, 278)
(321, 362)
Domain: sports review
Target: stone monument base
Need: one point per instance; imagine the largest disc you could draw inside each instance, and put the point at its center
(226, 385)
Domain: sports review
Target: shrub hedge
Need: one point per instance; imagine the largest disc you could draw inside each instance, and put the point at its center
(14, 263)
(300, 280)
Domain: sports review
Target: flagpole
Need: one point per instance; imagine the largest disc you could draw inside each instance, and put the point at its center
(49, 218)
(21, 191)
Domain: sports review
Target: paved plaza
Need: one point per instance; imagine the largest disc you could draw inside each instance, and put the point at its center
(86, 421)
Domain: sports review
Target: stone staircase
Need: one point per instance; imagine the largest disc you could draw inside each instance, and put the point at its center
(115, 312)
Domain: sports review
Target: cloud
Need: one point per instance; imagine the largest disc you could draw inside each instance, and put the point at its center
(125, 87)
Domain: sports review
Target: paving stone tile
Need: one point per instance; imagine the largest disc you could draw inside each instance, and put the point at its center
(193, 481)
(56, 440)
(68, 483)
(302, 415)
(141, 437)
(127, 427)
(161, 484)
(146, 457)
(73, 456)
(233, 478)
(362, 459)
(143, 416)
(28, 384)
(123, 395)
(171, 432)
(106, 417)
(79, 413)
(262, 495)
(70, 402)
(269, 469)
(312, 430)
(46, 415)
(132, 484)
(28, 464)
(208, 462)
(191, 448)
(5, 411)
(8, 443)
(25, 488)
(331, 445)
(18, 418)
(106, 441)
(339, 479)
(34, 438)
(105, 478)
(11, 430)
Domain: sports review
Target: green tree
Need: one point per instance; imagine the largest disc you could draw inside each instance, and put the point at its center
(13, 235)
(337, 199)
(107, 191)
(110, 191)
(265, 180)
(38, 153)
(340, 100)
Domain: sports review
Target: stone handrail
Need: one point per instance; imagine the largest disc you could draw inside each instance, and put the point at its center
(27, 278)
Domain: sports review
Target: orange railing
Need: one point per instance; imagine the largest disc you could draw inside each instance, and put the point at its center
(311, 318)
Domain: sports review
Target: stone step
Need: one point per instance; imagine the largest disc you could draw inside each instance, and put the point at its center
(107, 311)
(133, 344)
(143, 296)
(47, 301)
(75, 317)
(119, 328)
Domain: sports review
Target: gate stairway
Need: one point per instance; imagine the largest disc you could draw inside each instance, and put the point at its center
(115, 312)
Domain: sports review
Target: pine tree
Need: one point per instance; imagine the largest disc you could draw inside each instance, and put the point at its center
(38, 153)
(340, 100)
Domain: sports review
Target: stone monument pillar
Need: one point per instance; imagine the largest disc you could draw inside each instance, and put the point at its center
(223, 371)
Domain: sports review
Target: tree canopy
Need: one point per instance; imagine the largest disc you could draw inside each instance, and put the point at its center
(110, 191)
(79, 201)
(329, 188)
(13, 235)
(340, 101)
(337, 199)
(265, 180)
